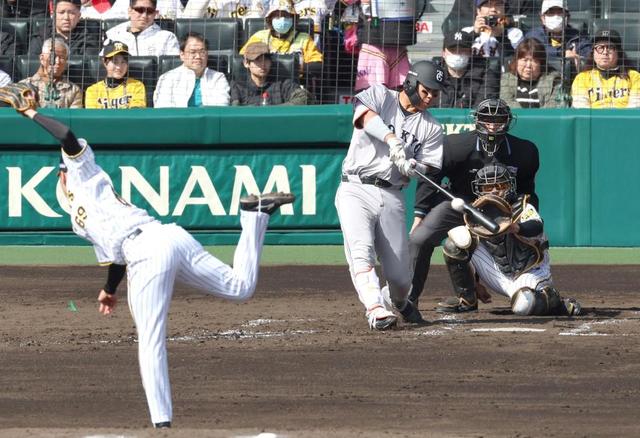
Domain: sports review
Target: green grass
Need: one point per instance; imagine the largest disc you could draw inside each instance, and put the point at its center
(295, 255)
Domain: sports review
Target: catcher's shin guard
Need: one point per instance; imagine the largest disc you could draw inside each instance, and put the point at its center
(546, 301)
(461, 273)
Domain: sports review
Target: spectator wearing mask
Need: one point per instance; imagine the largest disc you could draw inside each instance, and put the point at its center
(560, 40)
(53, 90)
(260, 87)
(529, 83)
(492, 29)
(469, 82)
(282, 37)
(607, 82)
(192, 84)
(117, 90)
(141, 34)
(81, 38)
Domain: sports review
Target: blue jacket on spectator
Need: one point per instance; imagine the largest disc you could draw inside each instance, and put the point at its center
(571, 36)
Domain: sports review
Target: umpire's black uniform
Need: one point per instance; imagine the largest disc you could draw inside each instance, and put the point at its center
(463, 156)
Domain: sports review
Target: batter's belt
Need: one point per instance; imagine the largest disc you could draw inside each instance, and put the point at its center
(373, 180)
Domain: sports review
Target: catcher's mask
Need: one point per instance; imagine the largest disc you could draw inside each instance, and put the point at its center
(494, 179)
(493, 119)
(427, 73)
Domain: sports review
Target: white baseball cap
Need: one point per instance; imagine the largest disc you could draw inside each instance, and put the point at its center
(548, 4)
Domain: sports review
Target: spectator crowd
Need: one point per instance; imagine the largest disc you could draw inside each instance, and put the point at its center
(119, 54)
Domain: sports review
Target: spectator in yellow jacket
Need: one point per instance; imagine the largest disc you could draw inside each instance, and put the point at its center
(282, 37)
(608, 83)
(116, 90)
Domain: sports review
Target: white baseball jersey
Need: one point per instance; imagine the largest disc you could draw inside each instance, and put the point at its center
(156, 256)
(98, 213)
(315, 10)
(369, 156)
(236, 8)
(372, 217)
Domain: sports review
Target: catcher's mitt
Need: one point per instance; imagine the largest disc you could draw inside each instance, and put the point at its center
(494, 207)
(20, 96)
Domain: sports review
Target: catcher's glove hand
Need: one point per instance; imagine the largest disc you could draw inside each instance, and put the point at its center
(20, 96)
(497, 209)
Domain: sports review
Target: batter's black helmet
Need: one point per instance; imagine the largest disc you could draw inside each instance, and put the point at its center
(494, 176)
(427, 73)
(498, 113)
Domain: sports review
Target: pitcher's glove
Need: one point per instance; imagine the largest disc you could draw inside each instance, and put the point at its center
(20, 96)
(497, 209)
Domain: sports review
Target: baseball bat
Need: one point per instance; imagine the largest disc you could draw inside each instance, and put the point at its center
(477, 214)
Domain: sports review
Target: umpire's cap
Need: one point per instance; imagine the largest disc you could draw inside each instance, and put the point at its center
(427, 73)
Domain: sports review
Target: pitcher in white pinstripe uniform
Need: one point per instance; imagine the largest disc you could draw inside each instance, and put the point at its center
(154, 256)
(515, 264)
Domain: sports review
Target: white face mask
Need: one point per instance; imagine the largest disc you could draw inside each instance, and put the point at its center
(457, 62)
(554, 22)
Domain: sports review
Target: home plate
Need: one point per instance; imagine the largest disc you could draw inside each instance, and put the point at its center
(509, 329)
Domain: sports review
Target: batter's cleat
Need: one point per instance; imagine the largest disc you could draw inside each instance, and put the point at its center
(411, 314)
(380, 318)
(572, 307)
(456, 305)
(267, 202)
(163, 425)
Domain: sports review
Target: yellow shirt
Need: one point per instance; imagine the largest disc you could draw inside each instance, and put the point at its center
(591, 90)
(302, 43)
(129, 94)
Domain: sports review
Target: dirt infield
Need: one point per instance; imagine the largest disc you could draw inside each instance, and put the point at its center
(298, 361)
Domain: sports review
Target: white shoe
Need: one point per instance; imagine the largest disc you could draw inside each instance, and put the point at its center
(380, 318)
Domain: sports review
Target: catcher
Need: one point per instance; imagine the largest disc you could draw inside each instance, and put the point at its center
(513, 262)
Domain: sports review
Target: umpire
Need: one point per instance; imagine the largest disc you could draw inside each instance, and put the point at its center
(463, 155)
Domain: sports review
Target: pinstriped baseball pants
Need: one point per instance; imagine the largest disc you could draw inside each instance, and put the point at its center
(491, 275)
(156, 259)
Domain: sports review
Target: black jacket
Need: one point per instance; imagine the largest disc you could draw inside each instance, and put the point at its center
(463, 157)
(287, 92)
(476, 84)
(85, 39)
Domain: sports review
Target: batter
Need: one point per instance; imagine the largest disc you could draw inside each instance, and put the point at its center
(393, 136)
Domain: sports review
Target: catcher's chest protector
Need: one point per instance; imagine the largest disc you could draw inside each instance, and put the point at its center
(513, 254)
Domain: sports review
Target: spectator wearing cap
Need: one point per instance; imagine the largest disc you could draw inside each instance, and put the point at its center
(260, 87)
(529, 83)
(607, 82)
(281, 36)
(81, 38)
(469, 81)
(141, 34)
(192, 84)
(494, 34)
(53, 90)
(560, 40)
(117, 90)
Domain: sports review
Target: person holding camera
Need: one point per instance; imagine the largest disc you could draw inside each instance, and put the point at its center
(493, 31)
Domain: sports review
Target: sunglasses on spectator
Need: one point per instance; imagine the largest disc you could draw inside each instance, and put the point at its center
(141, 10)
(600, 48)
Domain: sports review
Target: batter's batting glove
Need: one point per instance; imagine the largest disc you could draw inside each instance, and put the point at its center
(396, 149)
(407, 167)
(20, 96)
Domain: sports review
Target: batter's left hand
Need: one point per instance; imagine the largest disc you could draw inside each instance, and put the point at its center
(107, 302)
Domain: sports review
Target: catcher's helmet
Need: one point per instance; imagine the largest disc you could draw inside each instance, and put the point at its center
(427, 73)
(494, 179)
(497, 113)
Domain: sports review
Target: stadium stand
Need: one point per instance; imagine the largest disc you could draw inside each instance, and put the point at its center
(19, 28)
(220, 33)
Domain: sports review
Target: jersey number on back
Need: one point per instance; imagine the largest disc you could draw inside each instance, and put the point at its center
(80, 217)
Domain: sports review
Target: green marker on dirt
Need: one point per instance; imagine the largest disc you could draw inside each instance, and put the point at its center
(72, 306)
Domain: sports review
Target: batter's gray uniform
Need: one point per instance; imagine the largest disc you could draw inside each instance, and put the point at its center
(156, 256)
(369, 201)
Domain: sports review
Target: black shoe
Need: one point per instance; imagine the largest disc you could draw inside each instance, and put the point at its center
(456, 305)
(267, 202)
(411, 314)
(163, 425)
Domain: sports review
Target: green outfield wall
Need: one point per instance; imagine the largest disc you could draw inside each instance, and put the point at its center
(191, 167)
